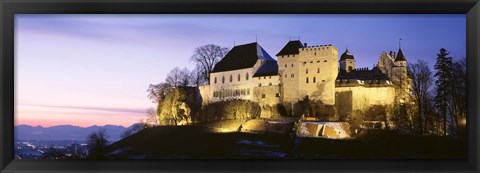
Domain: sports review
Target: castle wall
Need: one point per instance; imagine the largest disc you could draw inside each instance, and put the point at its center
(360, 97)
(239, 87)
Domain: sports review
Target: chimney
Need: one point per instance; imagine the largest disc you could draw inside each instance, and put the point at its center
(304, 44)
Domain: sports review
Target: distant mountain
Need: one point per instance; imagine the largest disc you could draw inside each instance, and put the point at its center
(66, 132)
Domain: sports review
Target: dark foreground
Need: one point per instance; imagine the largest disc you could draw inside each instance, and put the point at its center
(196, 142)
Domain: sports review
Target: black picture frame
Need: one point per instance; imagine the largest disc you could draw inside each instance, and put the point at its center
(8, 8)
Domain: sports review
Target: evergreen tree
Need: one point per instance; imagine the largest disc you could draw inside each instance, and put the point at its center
(443, 73)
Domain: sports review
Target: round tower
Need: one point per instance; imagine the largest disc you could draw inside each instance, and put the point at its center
(347, 61)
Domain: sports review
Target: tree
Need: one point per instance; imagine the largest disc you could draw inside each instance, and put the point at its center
(152, 118)
(443, 72)
(97, 141)
(157, 92)
(197, 76)
(459, 92)
(184, 77)
(174, 77)
(422, 81)
(207, 56)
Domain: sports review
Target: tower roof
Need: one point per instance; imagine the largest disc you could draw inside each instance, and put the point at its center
(242, 56)
(400, 56)
(346, 55)
(291, 48)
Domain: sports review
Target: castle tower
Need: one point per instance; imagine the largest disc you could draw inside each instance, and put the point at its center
(288, 69)
(347, 61)
(400, 77)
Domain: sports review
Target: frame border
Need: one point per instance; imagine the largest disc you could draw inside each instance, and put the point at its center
(9, 8)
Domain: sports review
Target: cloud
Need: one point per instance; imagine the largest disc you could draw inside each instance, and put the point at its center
(124, 110)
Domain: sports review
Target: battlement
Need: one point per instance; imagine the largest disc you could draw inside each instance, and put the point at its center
(364, 83)
(361, 69)
(317, 48)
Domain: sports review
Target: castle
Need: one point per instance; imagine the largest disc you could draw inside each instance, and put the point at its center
(248, 72)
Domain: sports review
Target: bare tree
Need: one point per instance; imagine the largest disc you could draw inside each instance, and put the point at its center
(174, 77)
(197, 76)
(184, 77)
(157, 92)
(152, 117)
(97, 141)
(422, 81)
(459, 92)
(207, 56)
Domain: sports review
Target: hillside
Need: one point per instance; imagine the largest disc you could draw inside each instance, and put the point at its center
(196, 142)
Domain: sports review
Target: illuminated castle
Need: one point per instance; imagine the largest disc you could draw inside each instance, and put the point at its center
(248, 72)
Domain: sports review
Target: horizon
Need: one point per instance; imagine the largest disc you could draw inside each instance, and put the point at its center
(95, 69)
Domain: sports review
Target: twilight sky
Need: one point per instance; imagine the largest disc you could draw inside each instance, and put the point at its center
(95, 69)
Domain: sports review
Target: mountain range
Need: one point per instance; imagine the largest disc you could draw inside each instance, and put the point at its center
(66, 132)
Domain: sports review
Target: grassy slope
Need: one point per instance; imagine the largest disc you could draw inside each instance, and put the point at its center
(200, 142)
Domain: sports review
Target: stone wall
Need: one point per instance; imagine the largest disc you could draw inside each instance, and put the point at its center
(361, 98)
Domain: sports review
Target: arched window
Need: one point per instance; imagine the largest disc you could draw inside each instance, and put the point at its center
(350, 68)
(231, 78)
(215, 80)
(307, 80)
(306, 71)
(318, 70)
(314, 80)
(238, 77)
(223, 79)
(247, 76)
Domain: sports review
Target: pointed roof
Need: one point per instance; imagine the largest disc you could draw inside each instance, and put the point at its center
(242, 56)
(400, 56)
(267, 68)
(291, 48)
(346, 55)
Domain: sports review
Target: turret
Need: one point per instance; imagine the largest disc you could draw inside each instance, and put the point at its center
(347, 61)
(400, 60)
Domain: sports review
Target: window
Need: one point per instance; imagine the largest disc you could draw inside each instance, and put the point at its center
(318, 70)
(315, 53)
(293, 55)
(263, 96)
(318, 61)
(350, 68)
(285, 65)
(247, 76)
(324, 60)
(277, 95)
(323, 80)
(215, 80)
(223, 79)
(238, 77)
(292, 65)
(264, 77)
(270, 84)
(285, 75)
(311, 62)
(292, 75)
(259, 84)
(314, 80)
(231, 78)
(270, 77)
(306, 71)
(307, 80)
